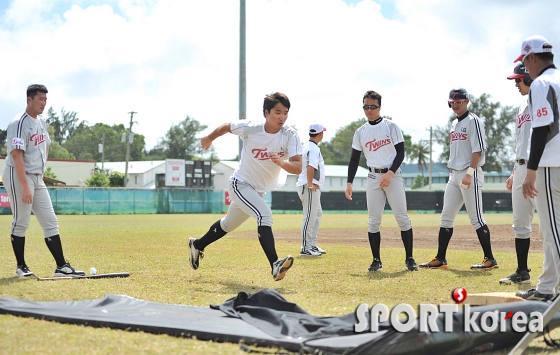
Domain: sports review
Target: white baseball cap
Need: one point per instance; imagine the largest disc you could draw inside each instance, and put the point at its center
(315, 128)
(533, 44)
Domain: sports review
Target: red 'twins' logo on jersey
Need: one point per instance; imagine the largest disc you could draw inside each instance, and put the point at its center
(523, 118)
(457, 136)
(38, 139)
(261, 154)
(376, 144)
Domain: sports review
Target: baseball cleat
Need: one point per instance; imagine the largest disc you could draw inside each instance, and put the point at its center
(533, 294)
(310, 252)
(518, 277)
(281, 267)
(67, 270)
(376, 265)
(411, 264)
(23, 271)
(316, 248)
(486, 264)
(195, 254)
(435, 263)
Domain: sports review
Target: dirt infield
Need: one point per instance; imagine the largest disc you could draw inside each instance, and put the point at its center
(464, 237)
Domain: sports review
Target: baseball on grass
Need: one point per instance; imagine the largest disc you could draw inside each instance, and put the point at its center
(93, 271)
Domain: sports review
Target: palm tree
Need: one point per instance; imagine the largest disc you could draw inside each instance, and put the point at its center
(420, 152)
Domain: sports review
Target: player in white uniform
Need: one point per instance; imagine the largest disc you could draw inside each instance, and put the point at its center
(382, 142)
(268, 148)
(523, 209)
(27, 150)
(309, 184)
(466, 157)
(542, 180)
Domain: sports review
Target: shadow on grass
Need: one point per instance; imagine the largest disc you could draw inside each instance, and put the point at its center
(378, 275)
(236, 288)
(6, 281)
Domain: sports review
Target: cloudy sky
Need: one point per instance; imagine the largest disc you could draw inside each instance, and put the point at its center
(167, 59)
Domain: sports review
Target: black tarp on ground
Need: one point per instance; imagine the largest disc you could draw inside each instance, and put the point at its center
(267, 319)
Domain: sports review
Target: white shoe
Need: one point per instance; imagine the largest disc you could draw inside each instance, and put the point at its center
(310, 252)
(281, 267)
(23, 271)
(318, 249)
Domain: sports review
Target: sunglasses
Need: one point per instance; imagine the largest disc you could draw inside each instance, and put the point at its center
(371, 107)
(456, 102)
(517, 81)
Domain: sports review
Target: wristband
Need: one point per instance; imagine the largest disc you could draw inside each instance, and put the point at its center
(470, 171)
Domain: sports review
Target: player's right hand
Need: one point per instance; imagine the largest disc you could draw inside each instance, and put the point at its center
(348, 191)
(27, 196)
(509, 183)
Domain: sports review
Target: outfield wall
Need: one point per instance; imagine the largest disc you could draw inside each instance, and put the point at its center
(169, 201)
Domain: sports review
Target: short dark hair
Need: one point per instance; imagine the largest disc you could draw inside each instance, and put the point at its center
(546, 57)
(374, 95)
(33, 89)
(313, 135)
(271, 100)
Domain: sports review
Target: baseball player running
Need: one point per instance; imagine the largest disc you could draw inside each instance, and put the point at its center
(27, 150)
(542, 180)
(309, 185)
(466, 156)
(382, 142)
(268, 147)
(523, 209)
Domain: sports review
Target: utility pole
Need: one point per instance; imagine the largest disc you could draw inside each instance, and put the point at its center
(431, 162)
(242, 70)
(102, 152)
(128, 141)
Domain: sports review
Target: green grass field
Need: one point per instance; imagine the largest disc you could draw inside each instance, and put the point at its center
(154, 249)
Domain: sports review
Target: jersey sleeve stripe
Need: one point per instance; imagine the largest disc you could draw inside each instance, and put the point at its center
(20, 128)
(479, 133)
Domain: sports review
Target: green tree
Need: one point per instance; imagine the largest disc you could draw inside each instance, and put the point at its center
(181, 141)
(419, 182)
(84, 143)
(57, 151)
(420, 152)
(3, 135)
(497, 125)
(97, 180)
(407, 146)
(49, 173)
(64, 126)
(338, 150)
(116, 179)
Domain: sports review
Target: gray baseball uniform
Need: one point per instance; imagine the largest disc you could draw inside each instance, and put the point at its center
(466, 137)
(544, 99)
(30, 135)
(523, 209)
(377, 142)
(311, 200)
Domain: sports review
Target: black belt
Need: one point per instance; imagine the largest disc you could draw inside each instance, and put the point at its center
(380, 171)
(521, 161)
(32, 173)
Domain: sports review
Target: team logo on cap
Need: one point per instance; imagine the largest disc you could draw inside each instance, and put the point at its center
(527, 48)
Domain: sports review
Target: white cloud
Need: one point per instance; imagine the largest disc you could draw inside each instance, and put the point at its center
(169, 59)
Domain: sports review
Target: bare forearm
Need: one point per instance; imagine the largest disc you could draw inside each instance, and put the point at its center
(20, 170)
(310, 173)
(475, 158)
(293, 166)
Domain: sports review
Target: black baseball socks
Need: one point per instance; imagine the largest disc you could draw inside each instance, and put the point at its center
(444, 237)
(214, 233)
(375, 244)
(266, 238)
(55, 246)
(18, 244)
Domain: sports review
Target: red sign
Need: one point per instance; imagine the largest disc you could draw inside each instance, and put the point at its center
(4, 200)
(227, 201)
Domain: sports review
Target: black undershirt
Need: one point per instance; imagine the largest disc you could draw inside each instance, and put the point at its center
(355, 157)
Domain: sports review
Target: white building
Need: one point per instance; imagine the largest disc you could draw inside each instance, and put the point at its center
(141, 174)
(335, 177)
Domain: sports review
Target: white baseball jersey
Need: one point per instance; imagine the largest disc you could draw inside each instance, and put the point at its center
(312, 157)
(378, 143)
(30, 135)
(466, 137)
(544, 95)
(255, 167)
(522, 131)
